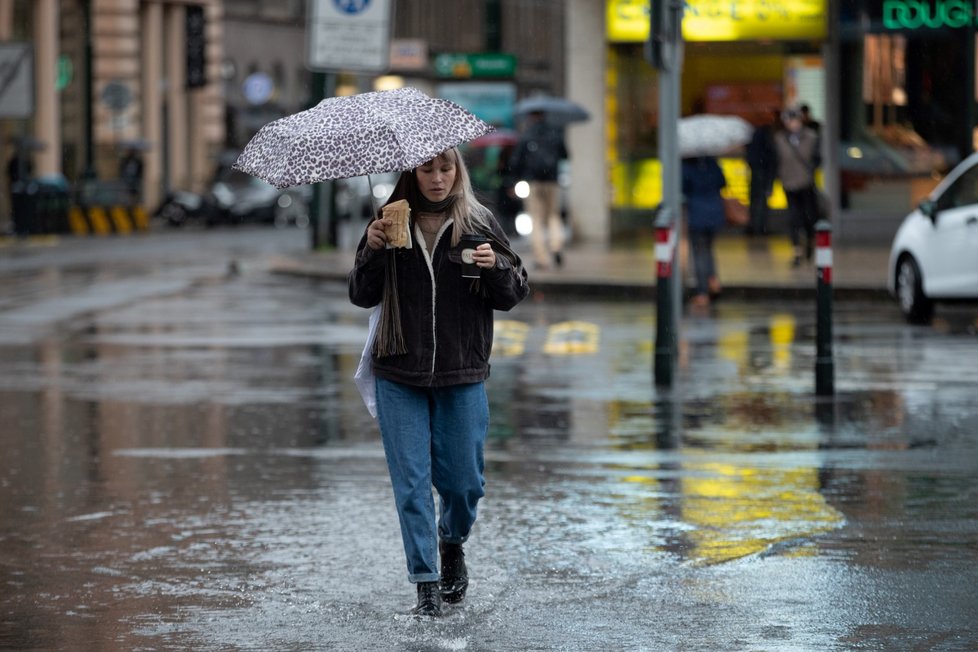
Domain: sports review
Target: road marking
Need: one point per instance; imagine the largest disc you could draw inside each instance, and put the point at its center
(572, 338)
(509, 340)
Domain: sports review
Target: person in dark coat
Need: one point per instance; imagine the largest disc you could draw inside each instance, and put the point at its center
(797, 148)
(535, 160)
(763, 162)
(431, 361)
(131, 173)
(702, 182)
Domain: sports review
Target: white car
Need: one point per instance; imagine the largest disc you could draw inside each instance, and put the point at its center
(934, 255)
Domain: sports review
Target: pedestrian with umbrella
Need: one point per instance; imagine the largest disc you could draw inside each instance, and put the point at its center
(434, 332)
(431, 362)
(535, 160)
(702, 138)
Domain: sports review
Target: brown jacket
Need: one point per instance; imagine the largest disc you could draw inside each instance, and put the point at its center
(797, 161)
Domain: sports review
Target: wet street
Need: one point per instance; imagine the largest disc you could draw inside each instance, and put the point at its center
(187, 465)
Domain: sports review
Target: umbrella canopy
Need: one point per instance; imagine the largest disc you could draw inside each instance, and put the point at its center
(497, 138)
(369, 133)
(712, 135)
(558, 110)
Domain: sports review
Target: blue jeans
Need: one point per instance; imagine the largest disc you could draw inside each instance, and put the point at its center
(433, 436)
(701, 243)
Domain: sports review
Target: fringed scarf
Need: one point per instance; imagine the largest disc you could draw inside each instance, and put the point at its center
(390, 339)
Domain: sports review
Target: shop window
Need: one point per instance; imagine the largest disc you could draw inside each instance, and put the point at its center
(904, 117)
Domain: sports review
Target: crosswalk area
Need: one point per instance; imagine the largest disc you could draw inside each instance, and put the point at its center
(562, 338)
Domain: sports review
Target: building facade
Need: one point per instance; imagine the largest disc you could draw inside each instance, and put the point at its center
(114, 75)
(891, 81)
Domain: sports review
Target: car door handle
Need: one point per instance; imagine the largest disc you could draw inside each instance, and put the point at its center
(971, 221)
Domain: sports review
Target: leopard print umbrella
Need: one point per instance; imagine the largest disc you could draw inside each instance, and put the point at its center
(369, 133)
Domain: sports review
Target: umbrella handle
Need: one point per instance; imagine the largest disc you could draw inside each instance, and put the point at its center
(373, 198)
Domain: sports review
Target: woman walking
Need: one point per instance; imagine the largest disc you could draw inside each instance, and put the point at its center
(702, 182)
(431, 360)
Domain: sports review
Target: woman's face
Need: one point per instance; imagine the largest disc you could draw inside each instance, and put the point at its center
(436, 178)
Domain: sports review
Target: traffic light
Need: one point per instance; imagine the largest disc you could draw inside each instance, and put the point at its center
(196, 46)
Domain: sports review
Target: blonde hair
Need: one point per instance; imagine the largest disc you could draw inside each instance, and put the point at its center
(469, 215)
(467, 212)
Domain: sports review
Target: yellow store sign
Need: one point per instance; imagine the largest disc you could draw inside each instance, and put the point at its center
(724, 20)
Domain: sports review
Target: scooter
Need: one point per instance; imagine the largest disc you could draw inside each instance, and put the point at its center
(181, 207)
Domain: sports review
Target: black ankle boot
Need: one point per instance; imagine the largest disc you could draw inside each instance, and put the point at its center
(454, 575)
(429, 600)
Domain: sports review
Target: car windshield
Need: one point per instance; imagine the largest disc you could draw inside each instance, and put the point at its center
(962, 192)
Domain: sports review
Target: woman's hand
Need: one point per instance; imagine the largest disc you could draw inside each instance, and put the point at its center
(376, 235)
(484, 256)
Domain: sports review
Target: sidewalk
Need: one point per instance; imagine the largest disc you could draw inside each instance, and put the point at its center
(748, 268)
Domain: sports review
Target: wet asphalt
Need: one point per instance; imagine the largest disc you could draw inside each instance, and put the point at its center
(187, 465)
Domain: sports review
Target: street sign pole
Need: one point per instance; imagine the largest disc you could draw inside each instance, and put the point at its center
(341, 35)
(665, 52)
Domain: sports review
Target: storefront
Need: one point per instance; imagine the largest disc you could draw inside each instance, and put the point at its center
(907, 102)
(892, 80)
(746, 59)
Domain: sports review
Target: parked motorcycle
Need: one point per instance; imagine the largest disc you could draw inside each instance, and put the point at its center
(238, 198)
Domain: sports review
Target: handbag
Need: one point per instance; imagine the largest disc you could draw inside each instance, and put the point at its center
(735, 212)
(364, 377)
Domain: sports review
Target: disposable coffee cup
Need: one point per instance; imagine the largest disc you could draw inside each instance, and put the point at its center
(467, 245)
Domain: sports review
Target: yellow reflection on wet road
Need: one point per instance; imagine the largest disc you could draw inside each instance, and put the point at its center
(572, 337)
(737, 511)
(782, 329)
(509, 339)
(563, 338)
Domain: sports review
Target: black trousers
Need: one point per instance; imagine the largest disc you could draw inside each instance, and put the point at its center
(803, 210)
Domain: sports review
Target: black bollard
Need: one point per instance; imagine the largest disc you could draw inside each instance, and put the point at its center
(824, 364)
(665, 321)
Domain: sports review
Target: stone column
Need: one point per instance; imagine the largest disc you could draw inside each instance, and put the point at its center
(151, 22)
(176, 98)
(585, 82)
(47, 105)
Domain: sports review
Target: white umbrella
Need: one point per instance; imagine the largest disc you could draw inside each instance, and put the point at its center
(712, 135)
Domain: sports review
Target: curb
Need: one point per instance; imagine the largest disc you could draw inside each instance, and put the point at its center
(337, 269)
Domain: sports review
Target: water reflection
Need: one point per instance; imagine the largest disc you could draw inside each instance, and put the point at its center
(198, 458)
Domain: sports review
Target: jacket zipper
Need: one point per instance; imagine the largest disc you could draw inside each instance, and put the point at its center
(434, 288)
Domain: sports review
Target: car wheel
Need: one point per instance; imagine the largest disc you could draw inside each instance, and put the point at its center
(914, 305)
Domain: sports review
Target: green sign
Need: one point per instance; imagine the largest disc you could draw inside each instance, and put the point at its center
(921, 14)
(65, 73)
(493, 65)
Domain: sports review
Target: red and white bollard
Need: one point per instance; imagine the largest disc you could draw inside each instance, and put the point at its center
(823, 251)
(665, 321)
(824, 365)
(663, 251)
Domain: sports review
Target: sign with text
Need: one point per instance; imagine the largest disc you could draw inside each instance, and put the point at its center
(16, 80)
(350, 35)
(920, 14)
(481, 65)
(715, 20)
